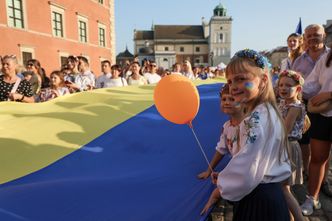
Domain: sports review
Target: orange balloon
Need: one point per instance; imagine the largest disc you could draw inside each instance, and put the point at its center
(176, 99)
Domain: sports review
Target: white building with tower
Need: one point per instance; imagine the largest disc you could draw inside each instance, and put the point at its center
(206, 44)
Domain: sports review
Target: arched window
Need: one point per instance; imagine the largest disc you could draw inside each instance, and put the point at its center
(221, 37)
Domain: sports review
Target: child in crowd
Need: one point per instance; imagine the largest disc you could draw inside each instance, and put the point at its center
(27, 75)
(252, 179)
(57, 87)
(293, 111)
(229, 139)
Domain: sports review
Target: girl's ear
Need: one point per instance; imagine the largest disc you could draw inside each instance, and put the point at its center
(263, 83)
(298, 89)
(265, 78)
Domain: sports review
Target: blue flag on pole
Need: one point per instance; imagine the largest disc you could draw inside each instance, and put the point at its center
(299, 27)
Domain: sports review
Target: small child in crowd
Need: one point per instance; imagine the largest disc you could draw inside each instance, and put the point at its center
(229, 139)
(293, 112)
(57, 87)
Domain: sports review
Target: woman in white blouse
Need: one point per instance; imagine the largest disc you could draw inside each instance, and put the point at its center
(136, 78)
(318, 87)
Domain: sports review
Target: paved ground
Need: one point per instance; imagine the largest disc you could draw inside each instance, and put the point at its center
(223, 211)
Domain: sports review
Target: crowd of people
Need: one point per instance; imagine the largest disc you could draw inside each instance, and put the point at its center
(33, 85)
(280, 127)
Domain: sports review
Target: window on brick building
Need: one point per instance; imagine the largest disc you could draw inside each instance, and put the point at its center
(63, 61)
(101, 1)
(26, 56)
(83, 33)
(57, 20)
(15, 13)
(57, 23)
(102, 41)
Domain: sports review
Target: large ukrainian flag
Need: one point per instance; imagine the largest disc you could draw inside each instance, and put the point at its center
(104, 155)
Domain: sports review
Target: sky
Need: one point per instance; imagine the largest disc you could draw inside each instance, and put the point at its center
(257, 24)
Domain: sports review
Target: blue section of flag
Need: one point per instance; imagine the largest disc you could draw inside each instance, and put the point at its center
(299, 27)
(141, 170)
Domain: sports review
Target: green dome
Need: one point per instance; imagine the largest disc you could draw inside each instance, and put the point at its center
(220, 6)
(220, 10)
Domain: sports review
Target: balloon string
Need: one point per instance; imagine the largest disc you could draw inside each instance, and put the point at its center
(200, 146)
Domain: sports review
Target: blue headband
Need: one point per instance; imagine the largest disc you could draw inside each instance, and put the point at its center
(254, 55)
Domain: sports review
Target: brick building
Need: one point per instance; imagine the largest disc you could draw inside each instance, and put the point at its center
(51, 30)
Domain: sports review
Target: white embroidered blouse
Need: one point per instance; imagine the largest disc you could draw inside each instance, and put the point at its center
(258, 160)
(229, 139)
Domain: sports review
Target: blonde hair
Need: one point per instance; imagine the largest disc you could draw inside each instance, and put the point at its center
(187, 62)
(266, 96)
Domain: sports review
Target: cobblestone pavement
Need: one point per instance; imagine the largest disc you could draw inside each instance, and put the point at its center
(223, 211)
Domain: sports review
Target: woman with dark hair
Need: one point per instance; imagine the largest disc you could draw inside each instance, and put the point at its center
(13, 88)
(318, 88)
(39, 79)
(116, 80)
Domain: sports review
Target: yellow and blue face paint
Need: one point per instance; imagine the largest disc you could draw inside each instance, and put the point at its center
(249, 85)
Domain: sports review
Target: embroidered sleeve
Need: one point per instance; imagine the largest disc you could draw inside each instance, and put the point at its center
(250, 126)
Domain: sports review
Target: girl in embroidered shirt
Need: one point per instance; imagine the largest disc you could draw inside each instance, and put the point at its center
(293, 111)
(252, 179)
(57, 87)
(229, 139)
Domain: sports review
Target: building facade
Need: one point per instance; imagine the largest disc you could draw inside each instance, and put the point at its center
(205, 44)
(276, 55)
(52, 30)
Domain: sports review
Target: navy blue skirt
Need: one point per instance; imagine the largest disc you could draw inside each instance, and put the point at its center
(265, 203)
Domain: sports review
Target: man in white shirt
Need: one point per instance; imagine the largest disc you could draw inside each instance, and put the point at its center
(85, 80)
(152, 77)
(106, 74)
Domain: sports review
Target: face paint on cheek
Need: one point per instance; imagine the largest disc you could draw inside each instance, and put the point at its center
(292, 89)
(249, 85)
(236, 104)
